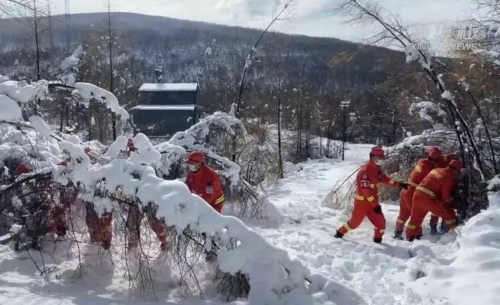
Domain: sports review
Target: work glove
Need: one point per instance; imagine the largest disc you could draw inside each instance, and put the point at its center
(403, 185)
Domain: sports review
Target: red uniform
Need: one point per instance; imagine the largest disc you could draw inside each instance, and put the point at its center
(135, 216)
(366, 203)
(206, 183)
(433, 194)
(133, 224)
(423, 167)
(100, 227)
(444, 162)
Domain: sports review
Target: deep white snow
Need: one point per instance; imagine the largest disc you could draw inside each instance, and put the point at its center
(456, 269)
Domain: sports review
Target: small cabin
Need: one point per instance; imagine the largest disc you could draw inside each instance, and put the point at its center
(165, 108)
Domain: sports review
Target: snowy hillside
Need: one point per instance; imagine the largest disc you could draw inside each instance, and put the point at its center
(456, 268)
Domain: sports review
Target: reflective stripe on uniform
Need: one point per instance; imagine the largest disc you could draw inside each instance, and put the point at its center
(451, 222)
(411, 227)
(348, 228)
(418, 169)
(400, 220)
(426, 191)
(220, 200)
(436, 174)
(362, 198)
(412, 184)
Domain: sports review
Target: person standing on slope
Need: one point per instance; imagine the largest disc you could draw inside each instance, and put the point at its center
(434, 194)
(423, 167)
(204, 181)
(366, 202)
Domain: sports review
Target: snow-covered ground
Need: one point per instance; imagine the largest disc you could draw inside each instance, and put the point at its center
(436, 270)
(455, 269)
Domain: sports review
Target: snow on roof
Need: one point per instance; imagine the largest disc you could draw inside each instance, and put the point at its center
(164, 107)
(148, 87)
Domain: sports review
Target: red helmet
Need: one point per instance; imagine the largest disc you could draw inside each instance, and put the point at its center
(377, 151)
(451, 156)
(130, 144)
(196, 157)
(434, 153)
(22, 169)
(456, 164)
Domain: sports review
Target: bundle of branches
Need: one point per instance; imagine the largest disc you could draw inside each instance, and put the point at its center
(343, 193)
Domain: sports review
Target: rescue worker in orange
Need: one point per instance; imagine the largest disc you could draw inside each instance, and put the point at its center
(423, 167)
(135, 216)
(366, 202)
(433, 194)
(204, 181)
(435, 219)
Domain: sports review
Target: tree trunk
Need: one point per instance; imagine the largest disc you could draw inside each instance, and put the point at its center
(487, 131)
(280, 157)
(37, 44)
(111, 84)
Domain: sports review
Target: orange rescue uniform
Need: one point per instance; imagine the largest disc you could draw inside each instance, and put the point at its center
(423, 167)
(366, 202)
(433, 195)
(206, 183)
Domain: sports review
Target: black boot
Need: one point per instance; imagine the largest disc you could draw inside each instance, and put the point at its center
(106, 245)
(398, 234)
(443, 228)
(339, 235)
(377, 240)
(434, 230)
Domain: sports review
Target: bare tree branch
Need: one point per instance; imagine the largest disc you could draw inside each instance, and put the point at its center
(363, 10)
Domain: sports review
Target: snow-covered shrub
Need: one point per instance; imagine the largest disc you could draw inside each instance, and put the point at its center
(24, 94)
(273, 277)
(430, 112)
(86, 93)
(214, 136)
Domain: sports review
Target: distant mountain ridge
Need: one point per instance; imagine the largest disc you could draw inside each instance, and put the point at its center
(210, 54)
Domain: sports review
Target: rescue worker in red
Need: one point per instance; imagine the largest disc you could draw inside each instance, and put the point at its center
(366, 202)
(433, 194)
(204, 181)
(435, 219)
(135, 216)
(423, 167)
(58, 209)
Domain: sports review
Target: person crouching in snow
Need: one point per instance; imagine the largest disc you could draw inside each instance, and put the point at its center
(204, 181)
(366, 203)
(423, 167)
(433, 222)
(434, 194)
